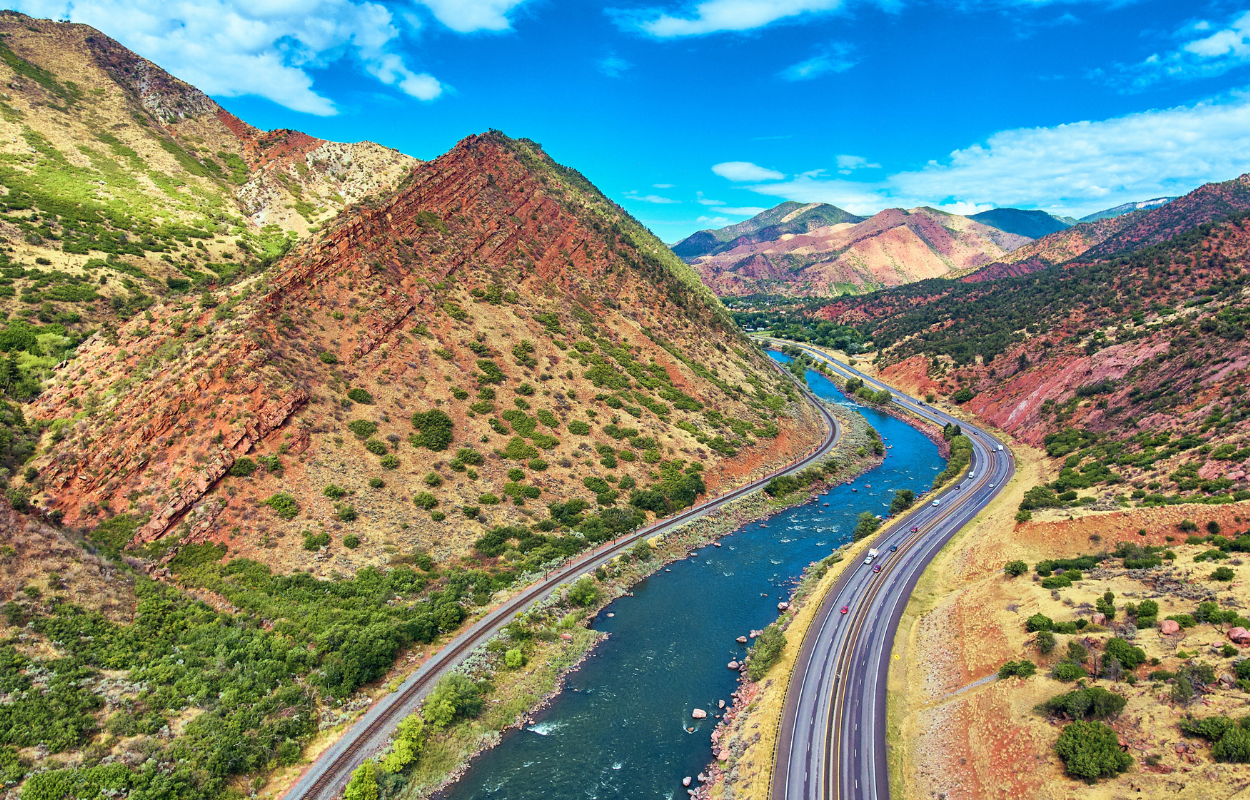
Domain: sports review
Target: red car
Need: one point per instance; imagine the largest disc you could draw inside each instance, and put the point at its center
(877, 568)
(914, 529)
(845, 609)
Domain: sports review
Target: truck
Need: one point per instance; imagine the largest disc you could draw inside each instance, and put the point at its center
(873, 553)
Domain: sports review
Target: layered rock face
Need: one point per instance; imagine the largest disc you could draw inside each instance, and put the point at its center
(491, 281)
(891, 248)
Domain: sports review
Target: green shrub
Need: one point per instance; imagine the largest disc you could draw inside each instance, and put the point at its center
(434, 430)
(514, 658)
(537, 464)
(579, 427)
(1018, 669)
(641, 550)
(1223, 574)
(345, 513)
(765, 651)
(1067, 672)
(425, 500)
(433, 480)
(455, 696)
(866, 525)
(376, 446)
(1090, 751)
(334, 492)
(360, 396)
(362, 428)
(1092, 702)
(388, 461)
(315, 541)
(242, 467)
(351, 541)
(284, 504)
(1045, 641)
(584, 593)
(327, 357)
(1038, 622)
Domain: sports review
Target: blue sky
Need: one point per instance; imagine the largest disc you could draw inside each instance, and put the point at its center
(698, 114)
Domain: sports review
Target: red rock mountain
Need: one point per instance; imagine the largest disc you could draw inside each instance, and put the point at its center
(891, 248)
(549, 330)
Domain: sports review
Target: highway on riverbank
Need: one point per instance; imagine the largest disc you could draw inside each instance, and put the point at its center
(329, 774)
(832, 737)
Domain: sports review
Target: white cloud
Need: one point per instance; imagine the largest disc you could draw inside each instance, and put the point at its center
(834, 58)
(707, 201)
(650, 198)
(745, 211)
(1074, 168)
(267, 48)
(613, 66)
(746, 171)
(467, 16)
(848, 164)
(661, 186)
(1207, 55)
(714, 222)
(714, 16)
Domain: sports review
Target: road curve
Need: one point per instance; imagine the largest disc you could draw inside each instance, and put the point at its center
(329, 774)
(832, 738)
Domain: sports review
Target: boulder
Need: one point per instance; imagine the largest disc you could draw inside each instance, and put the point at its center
(782, 606)
(723, 755)
(1169, 627)
(568, 637)
(1099, 619)
(698, 713)
(720, 703)
(685, 781)
(732, 665)
(1239, 635)
(742, 640)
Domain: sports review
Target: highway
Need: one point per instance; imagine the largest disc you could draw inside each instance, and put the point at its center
(832, 739)
(329, 774)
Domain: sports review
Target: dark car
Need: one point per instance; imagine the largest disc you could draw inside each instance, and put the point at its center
(845, 609)
(877, 568)
(893, 547)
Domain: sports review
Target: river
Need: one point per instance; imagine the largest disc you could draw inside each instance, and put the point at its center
(620, 729)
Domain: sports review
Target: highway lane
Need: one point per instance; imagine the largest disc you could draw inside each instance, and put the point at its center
(832, 741)
(328, 775)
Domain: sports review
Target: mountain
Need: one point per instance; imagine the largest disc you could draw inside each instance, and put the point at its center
(1033, 224)
(1132, 362)
(781, 220)
(1144, 205)
(891, 248)
(123, 184)
(492, 283)
(1127, 231)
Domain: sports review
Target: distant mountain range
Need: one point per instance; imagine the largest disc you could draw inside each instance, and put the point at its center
(1120, 210)
(821, 250)
(1033, 224)
(787, 218)
(1107, 235)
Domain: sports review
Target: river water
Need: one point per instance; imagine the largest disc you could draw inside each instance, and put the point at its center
(620, 729)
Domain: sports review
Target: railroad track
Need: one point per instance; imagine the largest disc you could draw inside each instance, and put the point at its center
(329, 774)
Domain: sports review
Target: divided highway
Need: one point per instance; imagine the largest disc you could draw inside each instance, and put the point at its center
(329, 774)
(832, 739)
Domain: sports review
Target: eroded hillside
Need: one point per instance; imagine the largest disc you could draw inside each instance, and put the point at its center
(891, 248)
(493, 337)
(123, 184)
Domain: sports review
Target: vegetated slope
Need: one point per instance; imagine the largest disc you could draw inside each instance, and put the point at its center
(494, 332)
(1125, 208)
(1031, 223)
(1132, 368)
(123, 183)
(1110, 235)
(891, 248)
(786, 218)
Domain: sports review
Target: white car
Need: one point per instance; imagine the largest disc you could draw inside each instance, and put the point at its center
(937, 502)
